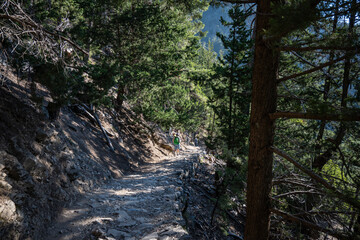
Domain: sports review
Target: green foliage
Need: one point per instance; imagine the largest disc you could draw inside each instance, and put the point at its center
(101, 79)
(139, 47)
(231, 84)
(230, 182)
(62, 83)
(320, 92)
(173, 104)
(294, 15)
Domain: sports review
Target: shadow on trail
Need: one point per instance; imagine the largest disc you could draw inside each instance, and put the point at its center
(128, 208)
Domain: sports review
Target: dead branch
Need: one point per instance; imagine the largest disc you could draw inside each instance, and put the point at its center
(309, 224)
(102, 129)
(297, 192)
(87, 113)
(19, 28)
(318, 179)
(281, 181)
(235, 236)
(91, 114)
(316, 116)
(104, 132)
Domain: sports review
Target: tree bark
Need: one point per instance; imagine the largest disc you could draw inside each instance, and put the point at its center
(263, 102)
(231, 81)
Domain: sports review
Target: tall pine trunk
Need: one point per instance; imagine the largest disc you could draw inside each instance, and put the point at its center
(262, 127)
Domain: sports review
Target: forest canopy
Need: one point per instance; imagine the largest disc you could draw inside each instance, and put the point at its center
(280, 104)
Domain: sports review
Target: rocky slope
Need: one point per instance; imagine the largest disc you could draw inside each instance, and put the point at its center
(46, 165)
(144, 205)
(60, 180)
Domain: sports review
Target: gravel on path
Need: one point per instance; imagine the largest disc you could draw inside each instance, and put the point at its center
(145, 205)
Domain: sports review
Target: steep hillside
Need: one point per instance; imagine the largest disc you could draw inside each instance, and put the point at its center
(211, 19)
(45, 165)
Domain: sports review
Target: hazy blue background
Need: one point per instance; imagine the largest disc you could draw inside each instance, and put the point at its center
(211, 19)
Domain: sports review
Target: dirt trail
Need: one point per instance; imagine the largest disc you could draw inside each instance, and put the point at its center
(145, 205)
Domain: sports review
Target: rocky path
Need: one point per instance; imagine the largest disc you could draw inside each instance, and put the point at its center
(146, 205)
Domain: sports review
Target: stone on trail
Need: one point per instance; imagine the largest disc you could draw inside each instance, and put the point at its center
(166, 238)
(141, 219)
(123, 216)
(178, 231)
(97, 233)
(152, 236)
(144, 227)
(5, 185)
(7, 209)
(127, 223)
(117, 234)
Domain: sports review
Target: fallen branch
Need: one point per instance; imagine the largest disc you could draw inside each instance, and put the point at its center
(281, 181)
(234, 235)
(104, 132)
(87, 113)
(297, 192)
(318, 179)
(207, 195)
(91, 114)
(309, 224)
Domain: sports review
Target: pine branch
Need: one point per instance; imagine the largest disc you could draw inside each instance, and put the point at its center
(312, 69)
(313, 65)
(317, 116)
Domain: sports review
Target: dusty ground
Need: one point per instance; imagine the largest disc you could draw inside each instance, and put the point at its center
(143, 205)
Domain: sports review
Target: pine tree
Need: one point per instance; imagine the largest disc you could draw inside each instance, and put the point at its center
(232, 86)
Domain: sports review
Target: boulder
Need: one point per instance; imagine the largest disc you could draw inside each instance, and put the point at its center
(7, 209)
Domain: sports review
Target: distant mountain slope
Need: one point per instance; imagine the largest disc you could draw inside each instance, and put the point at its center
(211, 19)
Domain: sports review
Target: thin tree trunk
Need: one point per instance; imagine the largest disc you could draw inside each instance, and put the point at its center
(327, 85)
(322, 159)
(230, 130)
(263, 102)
